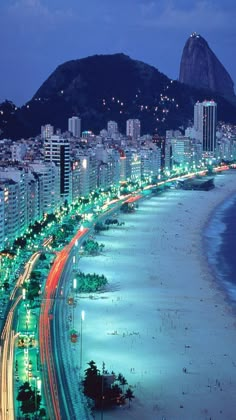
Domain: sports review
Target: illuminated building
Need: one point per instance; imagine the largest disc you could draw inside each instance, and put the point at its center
(84, 177)
(47, 131)
(150, 161)
(133, 129)
(74, 126)
(181, 151)
(122, 165)
(57, 150)
(168, 154)
(19, 176)
(103, 175)
(133, 164)
(205, 119)
(47, 177)
(114, 165)
(18, 151)
(33, 213)
(112, 129)
(75, 168)
(10, 196)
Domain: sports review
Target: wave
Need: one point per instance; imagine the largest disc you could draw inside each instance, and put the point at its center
(219, 238)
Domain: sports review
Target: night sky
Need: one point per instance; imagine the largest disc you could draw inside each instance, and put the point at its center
(38, 35)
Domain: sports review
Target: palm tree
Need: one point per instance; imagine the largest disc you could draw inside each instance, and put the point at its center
(129, 395)
(122, 380)
(123, 383)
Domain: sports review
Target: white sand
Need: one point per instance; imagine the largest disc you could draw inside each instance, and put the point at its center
(163, 311)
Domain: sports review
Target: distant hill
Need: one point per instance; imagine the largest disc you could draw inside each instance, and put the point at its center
(109, 87)
(201, 68)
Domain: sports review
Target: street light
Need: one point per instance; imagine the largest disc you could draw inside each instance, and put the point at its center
(81, 335)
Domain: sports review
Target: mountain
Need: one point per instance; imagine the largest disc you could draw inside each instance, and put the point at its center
(110, 87)
(200, 68)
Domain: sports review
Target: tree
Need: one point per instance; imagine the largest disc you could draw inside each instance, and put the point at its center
(6, 285)
(129, 395)
(33, 290)
(93, 381)
(42, 257)
(20, 242)
(102, 389)
(30, 398)
(90, 282)
(42, 413)
(99, 227)
(122, 381)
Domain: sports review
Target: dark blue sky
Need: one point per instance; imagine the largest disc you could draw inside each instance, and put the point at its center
(38, 35)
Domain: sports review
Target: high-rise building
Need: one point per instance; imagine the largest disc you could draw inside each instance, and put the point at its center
(112, 129)
(133, 129)
(57, 150)
(47, 131)
(168, 160)
(74, 126)
(114, 160)
(18, 175)
(18, 151)
(11, 193)
(133, 164)
(150, 161)
(47, 177)
(182, 151)
(205, 119)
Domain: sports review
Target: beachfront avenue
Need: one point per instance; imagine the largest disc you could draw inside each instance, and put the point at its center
(20, 336)
(21, 319)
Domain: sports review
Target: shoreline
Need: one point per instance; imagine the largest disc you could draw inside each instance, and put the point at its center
(213, 275)
(219, 253)
(164, 322)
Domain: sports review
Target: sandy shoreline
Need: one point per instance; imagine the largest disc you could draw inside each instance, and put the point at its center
(163, 311)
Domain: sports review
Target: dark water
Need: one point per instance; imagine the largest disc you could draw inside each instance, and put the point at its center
(220, 241)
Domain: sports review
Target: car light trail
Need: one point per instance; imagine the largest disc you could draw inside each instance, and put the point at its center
(7, 348)
(45, 333)
(133, 199)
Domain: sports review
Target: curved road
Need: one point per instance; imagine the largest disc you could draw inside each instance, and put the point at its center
(7, 345)
(56, 396)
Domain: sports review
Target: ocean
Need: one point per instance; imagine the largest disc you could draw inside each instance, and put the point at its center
(220, 245)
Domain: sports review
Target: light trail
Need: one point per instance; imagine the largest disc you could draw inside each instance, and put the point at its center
(8, 343)
(7, 337)
(45, 333)
(28, 268)
(133, 199)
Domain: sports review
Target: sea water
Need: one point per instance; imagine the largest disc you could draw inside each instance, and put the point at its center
(220, 241)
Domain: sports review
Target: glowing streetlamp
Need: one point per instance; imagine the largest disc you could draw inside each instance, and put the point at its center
(81, 336)
(74, 283)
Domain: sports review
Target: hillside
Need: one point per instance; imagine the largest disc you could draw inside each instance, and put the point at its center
(109, 87)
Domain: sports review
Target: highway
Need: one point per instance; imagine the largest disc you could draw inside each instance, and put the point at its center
(56, 396)
(71, 403)
(8, 337)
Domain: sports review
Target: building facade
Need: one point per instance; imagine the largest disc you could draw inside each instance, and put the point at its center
(133, 129)
(74, 126)
(57, 150)
(205, 120)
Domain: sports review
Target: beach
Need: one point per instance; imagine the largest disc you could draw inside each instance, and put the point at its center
(164, 322)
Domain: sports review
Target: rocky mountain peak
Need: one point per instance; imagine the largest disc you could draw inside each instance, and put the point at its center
(201, 68)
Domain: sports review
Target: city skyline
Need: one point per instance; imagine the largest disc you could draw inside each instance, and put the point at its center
(117, 209)
(34, 42)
